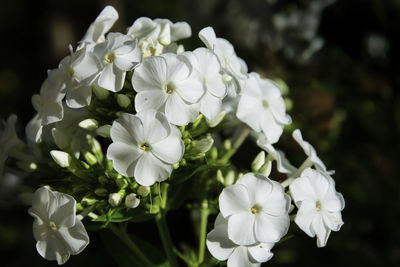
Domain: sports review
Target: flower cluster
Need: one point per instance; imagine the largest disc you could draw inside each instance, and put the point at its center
(132, 125)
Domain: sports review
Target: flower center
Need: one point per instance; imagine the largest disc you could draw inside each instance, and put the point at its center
(265, 104)
(256, 209)
(318, 205)
(145, 147)
(110, 57)
(170, 88)
(53, 225)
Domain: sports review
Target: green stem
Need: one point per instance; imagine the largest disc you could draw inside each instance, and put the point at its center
(203, 230)
(163, 228)
(130, 244)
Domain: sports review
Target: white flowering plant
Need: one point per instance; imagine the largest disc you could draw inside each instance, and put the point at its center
(130, 126)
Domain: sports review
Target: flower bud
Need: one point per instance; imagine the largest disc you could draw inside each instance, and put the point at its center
(227, 144)
(204, 144)
(165, 35)
(89, 124)
(180, 49)
(101, 192)
(104, 131)
(123, 100)
(114, 199)
(143, 191)
(62, 158)
(27, 166)
(229, 178)
(101, 93)
(266, 168)
(88, 201)
(102, 179)
(258, 161)
(217, 120)
(90, 158)
(131, 201)
(121, 183)
(214, 153)
(220, 177)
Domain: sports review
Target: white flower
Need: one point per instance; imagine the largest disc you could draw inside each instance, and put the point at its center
(114, 199)
(262, 107)
(282, 163)
(62, 158)
(79, 70)
(207, 66)
(118, 54)
(256, 209)
(319, 204)
(102, 24)
(312, 157)
(222, 248)
(165, 83)
(58, 231)
(154, 35)
(145, 146)
(225, 52)
(8, 140)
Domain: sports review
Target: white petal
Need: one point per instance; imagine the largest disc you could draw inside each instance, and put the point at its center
(240, 258)
(61, 209)
(169, 150)
(150, 99)
(128, 129)
(149, 170)
(258, 187)
(155, 125)
(276, 203)
(241, 228)
(177, 69)
(190, 89)
(178, 112)
(318, 228)
(128, 61)
(305, 216)
(210, 106)
(79, 97)
(234, 199)
(272, 129)
(218, 243)
(180, 30)
(261, 252)
(111, 78)
(123, 157)
(249, 111)
(52, 112)
(53, 89)
(53, 249)
(150, 75)
(86, 67)
(216, 86)
(75, 237)
(34, 129)
(270, 228)
(103, 23)
(207, 36)
(40, 203)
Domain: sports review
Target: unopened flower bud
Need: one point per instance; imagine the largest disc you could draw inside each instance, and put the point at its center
(27, 166)
(90, 158)
(217, 120)
(121, 183)
(100, 93)
(266, 168)
(104, 131)
(102, 179)
(89, 124)
(165, 35)
(220, 177)
(143, 191)
(214, 153)
(204, 144)
(227, 144)
(123, 100)
(258, 161)
(180, 49)
(131, 201)
(229, 178)
(101, 192)
(88, 201)
(62, 158)
(114, 199)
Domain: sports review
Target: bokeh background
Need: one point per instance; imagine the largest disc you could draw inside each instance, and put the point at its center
(340, 59)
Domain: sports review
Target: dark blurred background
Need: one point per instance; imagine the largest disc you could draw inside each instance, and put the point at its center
(339, 58)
